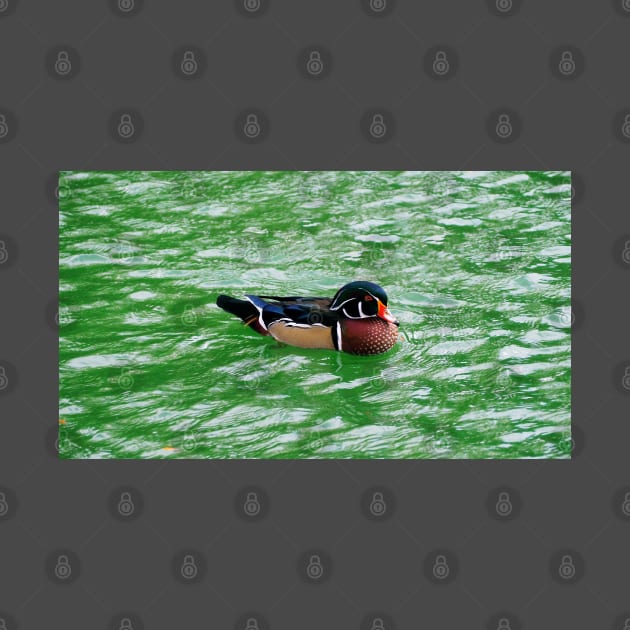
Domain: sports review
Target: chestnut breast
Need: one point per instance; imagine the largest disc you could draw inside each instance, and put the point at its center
(367, 336)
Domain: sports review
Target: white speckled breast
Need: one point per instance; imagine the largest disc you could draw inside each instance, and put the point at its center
(367, 336)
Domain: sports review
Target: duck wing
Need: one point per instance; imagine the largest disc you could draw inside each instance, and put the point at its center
(309, 311)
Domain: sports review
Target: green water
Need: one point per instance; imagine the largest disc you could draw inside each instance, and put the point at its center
(476, 266)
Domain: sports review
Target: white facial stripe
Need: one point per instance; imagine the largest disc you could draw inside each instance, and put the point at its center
(359, 317)
(336, 308)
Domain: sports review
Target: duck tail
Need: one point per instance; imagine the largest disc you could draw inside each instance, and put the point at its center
(243, 309)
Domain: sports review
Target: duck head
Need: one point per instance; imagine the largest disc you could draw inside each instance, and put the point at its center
(362, 299)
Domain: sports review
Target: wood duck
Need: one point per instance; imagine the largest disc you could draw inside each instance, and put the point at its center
(356, 320)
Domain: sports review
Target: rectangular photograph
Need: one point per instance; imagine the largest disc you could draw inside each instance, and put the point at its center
(315, 315)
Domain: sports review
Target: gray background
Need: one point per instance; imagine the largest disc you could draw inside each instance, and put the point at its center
(127, 566)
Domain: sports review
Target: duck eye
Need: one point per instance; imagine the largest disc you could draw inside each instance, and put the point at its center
(368, 298)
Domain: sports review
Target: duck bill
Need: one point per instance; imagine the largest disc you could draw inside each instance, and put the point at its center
(383, 313)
